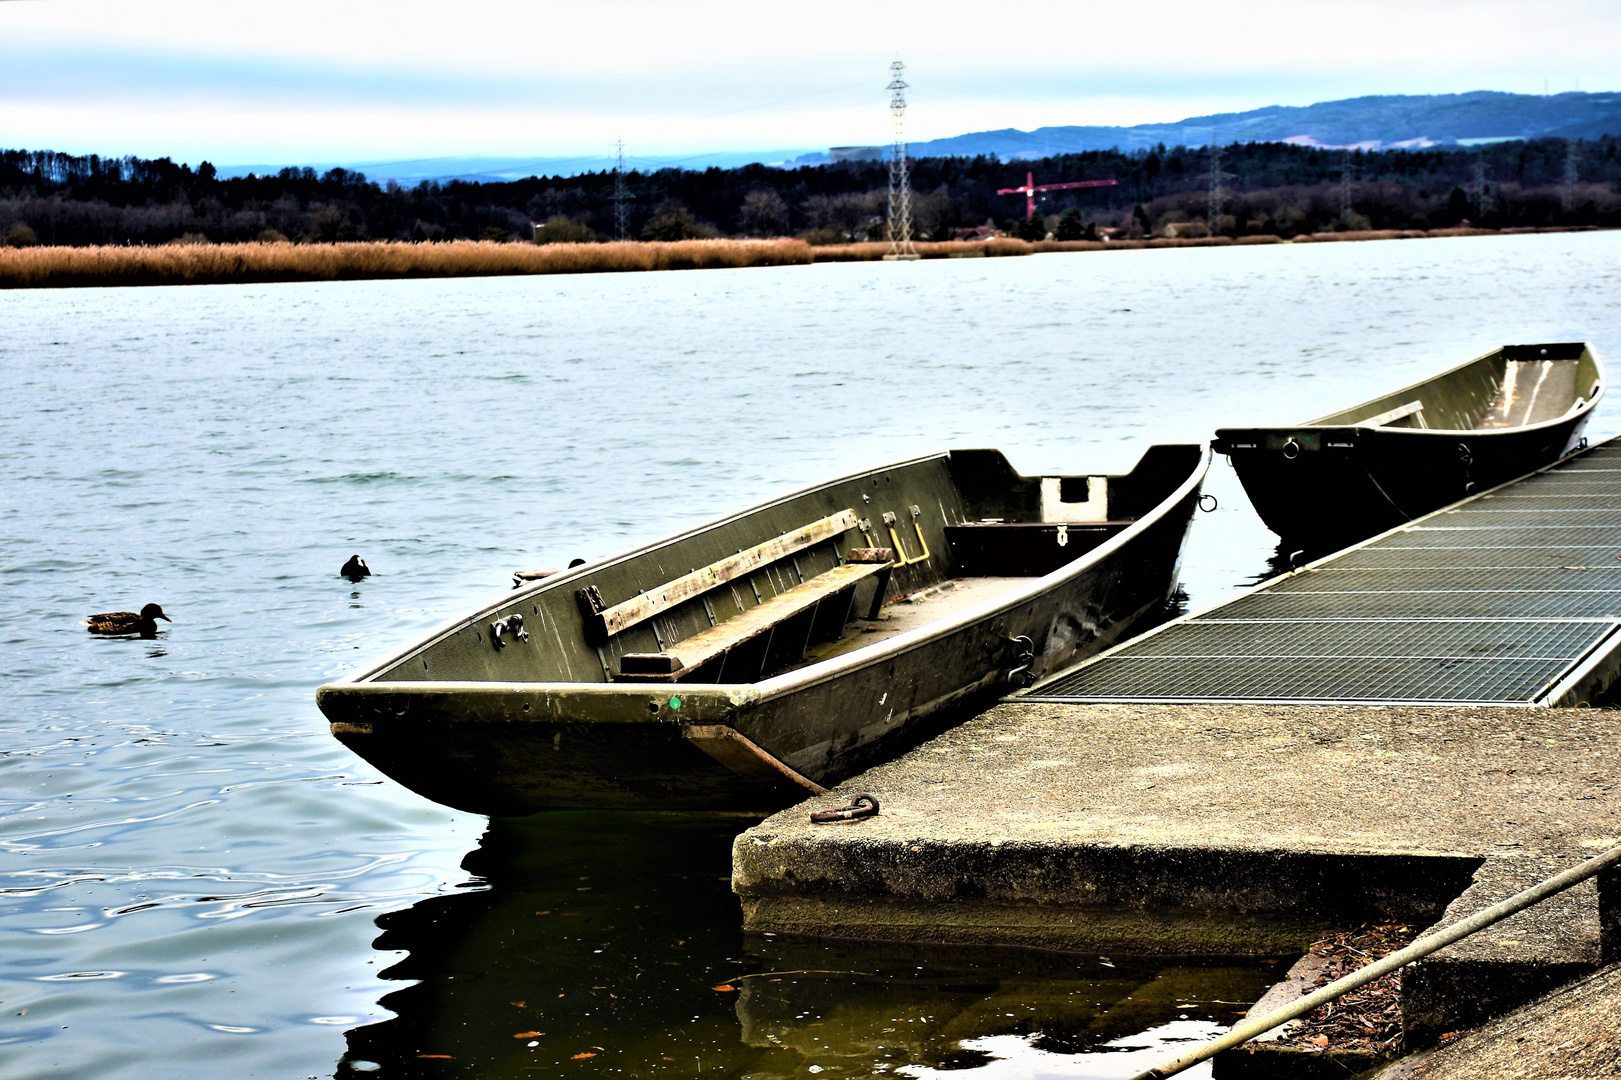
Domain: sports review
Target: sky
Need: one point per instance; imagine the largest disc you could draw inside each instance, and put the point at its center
(333, 81)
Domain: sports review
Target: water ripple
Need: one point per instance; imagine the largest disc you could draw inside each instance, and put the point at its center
(191, 867)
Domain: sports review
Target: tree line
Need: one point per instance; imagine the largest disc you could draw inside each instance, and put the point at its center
(53, 198)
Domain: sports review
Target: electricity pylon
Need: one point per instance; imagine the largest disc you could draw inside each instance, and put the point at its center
(1213, 207)
(900, 183)
(621, 194)
(1568, 195)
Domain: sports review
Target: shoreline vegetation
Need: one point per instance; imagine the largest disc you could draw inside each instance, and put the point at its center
(51, 199)
(263, 263)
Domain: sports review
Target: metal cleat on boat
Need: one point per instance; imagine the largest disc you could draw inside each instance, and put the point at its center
(512, 624)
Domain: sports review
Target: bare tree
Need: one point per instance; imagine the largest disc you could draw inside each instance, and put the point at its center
(764, 213)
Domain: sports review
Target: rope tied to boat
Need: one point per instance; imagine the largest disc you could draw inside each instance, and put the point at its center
(862, 806)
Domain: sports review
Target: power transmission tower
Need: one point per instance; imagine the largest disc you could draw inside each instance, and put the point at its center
(1213, 208)
(1345, 187)
(900, 182)
(621, 194)
(1572, 158)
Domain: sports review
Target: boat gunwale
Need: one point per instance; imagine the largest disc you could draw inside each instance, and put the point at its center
(1033, 692)
(460, 622)
(812, 674)
(1315, 425)
(731, 695)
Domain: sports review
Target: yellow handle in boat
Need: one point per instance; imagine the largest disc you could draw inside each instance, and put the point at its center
(900, 552)
(925, 556)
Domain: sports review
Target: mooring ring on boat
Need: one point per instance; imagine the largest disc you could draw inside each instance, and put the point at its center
(862, 806)
(1291, 449)
(1213, 504)
(1464, 455)
(1023, 660)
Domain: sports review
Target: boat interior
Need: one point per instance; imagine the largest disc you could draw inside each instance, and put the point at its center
(796, 580)
(1514, 386)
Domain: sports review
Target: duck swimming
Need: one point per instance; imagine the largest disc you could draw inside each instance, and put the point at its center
(128, 622)
(355, 569)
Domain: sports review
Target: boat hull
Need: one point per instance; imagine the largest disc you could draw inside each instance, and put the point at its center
(1347, 484)
(1353, 474)
(512, 748)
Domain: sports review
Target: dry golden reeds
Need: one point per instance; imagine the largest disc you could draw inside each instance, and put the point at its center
(196, 264)
(928, 249)
(218, 264)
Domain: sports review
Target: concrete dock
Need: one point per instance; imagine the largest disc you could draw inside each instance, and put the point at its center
(1574, 1031)
(1219, 829)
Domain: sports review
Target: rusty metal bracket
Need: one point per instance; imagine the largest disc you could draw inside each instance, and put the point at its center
(862, 806)
(742, 756)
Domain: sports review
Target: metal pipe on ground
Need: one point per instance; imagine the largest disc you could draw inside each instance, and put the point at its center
(1379, 968)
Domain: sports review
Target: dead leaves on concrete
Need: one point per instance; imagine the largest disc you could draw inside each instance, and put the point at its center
(1368, 1019)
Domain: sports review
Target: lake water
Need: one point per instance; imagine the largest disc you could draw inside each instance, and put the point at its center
(197, 880)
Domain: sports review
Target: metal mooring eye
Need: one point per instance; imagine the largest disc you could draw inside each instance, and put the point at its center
(512, 624)
(1464, 455)
(862, 806)
(1291, 449)
(1024, 659)
(1213, 504)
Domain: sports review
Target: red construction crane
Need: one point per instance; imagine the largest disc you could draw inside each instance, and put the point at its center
(1031, 187)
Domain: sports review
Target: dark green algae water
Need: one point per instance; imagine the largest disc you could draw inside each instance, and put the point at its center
(615, 935)
(196, 880)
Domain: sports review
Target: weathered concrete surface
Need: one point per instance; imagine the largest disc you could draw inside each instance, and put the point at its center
(1213, 829)
(1574, 1031)
(1508, 964)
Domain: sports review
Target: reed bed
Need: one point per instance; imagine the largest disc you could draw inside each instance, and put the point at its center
(219, 264)
(1004, 246)
(928, 249)
(1430, 234)
(223, 264)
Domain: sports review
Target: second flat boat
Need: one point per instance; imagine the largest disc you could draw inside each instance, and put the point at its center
(779, 649)
(1353, 474)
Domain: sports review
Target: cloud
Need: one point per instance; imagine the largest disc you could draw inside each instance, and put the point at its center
(316, 81)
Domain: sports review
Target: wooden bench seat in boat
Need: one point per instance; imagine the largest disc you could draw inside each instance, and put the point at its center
(835, 589)
(1389, 417)
(704, 648)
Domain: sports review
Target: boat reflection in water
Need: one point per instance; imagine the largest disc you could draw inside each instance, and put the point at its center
(610, 942)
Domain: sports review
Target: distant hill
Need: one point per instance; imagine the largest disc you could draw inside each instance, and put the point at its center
(1372, 123)
(486, 170)
(1376, 122)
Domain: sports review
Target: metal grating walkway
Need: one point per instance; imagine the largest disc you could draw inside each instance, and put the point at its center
(1510, 598)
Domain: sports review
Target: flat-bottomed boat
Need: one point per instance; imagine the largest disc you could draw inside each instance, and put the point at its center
(1353, 474)
(778, 650)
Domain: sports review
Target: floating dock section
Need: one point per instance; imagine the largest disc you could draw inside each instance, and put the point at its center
(1512, 597)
